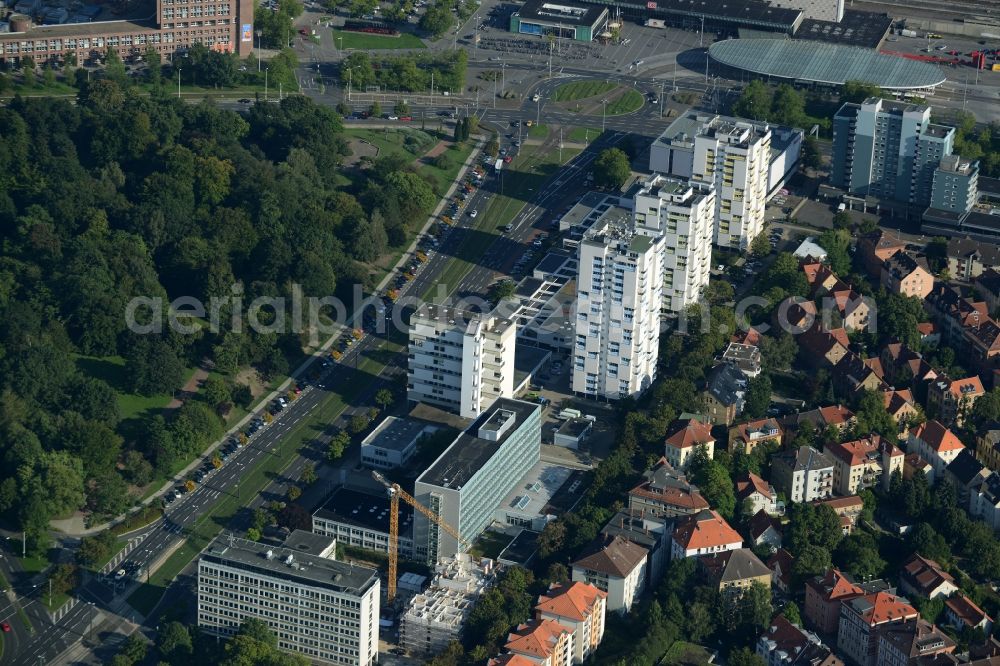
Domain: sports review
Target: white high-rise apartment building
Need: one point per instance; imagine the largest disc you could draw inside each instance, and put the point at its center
(683, 212)
(619, 294)
(735, 156)
(316, 606)
(460, 360)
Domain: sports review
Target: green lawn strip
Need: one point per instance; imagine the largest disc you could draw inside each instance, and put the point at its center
(569, 92)
(345, 39)
(631, 101)
(538, 132)
(24, 618)
(54, 602)
(583, 134)
(33, 565)
(117, 548)
(4, 585)
(211, 523)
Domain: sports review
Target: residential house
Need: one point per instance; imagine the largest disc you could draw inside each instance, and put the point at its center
(751, 336)
(824, 595)
(984, 501)
(950, 400)
(955, 313)
(863, 618)
(969, 259)
(822, 348)
(579, 607)
(748, 435)
(912, 643)
(665, 492)
(855, 374)
(929, 334)
(831, 416)
(809, 250)
(820, 278)
(784, 644)
(734, 571)
(961, 613)
(852, 307)
(803, 474)
(987, 286)
(863, 463)
(511, 659)
(543, 642)
(780, 564)
(756, 494)
(650, 532)
(800, 317)
(704, 533)
(745, 357)
(616, 566)
(849, 510)
(901, 407)
(908, 275)
(965, 473)
(764, 528)
(904, 367)
(724, 394)
(913, 463)
(936, 444)
(684, 438)
(876, 247)
(923, 577)
(988, 445)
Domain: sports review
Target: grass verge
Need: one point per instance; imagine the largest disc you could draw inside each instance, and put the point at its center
(569, 92)
(24, 619)
(360, 40)
(630, 102)
(538, 132)
(54, 602)
(33, 565)
(583, 134)
(117, 548)
(412, 143)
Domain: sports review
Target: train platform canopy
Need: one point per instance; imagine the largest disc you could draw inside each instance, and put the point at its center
(829, 64)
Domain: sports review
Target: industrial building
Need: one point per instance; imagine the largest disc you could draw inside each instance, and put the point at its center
(435, 616)
(325, 610)
(393, 442)
(460, 361)
(569, 20)
(221, 25)
(361, 519)
(471, 478)
(618, 299)
(683, 212)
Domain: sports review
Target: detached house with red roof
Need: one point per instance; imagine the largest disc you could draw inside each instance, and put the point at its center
(863, 618)
(748, 435)
(686, 437)
(543, 642)
(581, 608)
(863, 463)
(901, 406)
(961, 612)
(705, 533)
(824, 595)
(615, 566)
(923, 577)
(754, 490)
(936, 444)
(666, 493)
(950, 400)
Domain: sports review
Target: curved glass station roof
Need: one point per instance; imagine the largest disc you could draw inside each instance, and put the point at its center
(818, 62)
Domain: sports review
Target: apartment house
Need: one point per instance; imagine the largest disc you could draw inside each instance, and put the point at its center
(748, 435)
(615, 566)
(863, 618)
(901, 406)
(962, 613)
(988, 445)
(764, 528)
(666, 493)
(581, 608)
(684, 439)
(969, 259)
(459, 360)
(936, 444)
(907, 275)
(824, 596)
(950, 400)
(733, 572)
(863, 463)
(784, 644)
(923, 577)
(965, 473)
(724, 395)
(704, 533)
(984, 501)
(803, 474)
(756, 493)
(912, 643)
(877, 246)
(543, 642)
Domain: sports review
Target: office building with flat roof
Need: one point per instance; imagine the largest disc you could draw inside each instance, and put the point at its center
(460, 361)
(683, 212)
(361, 519)
(889, 150)
(569, 20)
(618, 300)
(170, 29)
(733, 155)
(955, 184)
(325, 610)
(393, 442)
(470, 479)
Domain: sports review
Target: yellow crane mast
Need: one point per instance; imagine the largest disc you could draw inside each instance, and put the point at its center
(395, 493)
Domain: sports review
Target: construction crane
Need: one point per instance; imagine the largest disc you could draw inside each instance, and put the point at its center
(395, 493)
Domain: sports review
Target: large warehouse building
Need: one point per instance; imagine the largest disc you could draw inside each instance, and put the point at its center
(810, 62)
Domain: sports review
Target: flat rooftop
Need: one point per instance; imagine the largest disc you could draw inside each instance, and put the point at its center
(522, 549)
(528, 360)
(560, 12)
(367, 510)
(289, 564)
(302, 541)
(395, 434)
(468, 453)
(443, 314)
(864, 29)
(533, 494)
(574, 427)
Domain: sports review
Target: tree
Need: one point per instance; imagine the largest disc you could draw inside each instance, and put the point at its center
(375, 110)
(719, 292)
(135, 648)
(836, 243)
(308, 475)
(792, 613)
(502, 290)
(136, 468)
(700, 623)
(294, 492)
(611, 168)
(758, 396)
(493, 147)
(384, 398)
(745, 657)
(94, 549)
(716, 486)
(811, 156)
(760, 246)
(788, 106)
(872, 417)
(858, 91)
(338, 444)
(756, 605)
(754, 102)
(63, 578)
(154, 65)
(436, 20)
(811, 561)
(401, 108)
(114, 68)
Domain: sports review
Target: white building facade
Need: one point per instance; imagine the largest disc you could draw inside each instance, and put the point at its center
(683, 212)
(317, 607)
(459, 360)
(619, 294)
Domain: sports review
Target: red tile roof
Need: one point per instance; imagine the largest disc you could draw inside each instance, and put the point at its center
(925, 575)
(706, 529)
(536, 637)
(840, 335)
(896, 400)
(969, 386)
(966, 610)
(781, 564)
(856, 452)
(937, 436)
(882, 607)
(786, 636)
(575, 601)
(692, 433)
(835, 585)
(511, 660)
(745, 430)
(750, 483)
(836, 414)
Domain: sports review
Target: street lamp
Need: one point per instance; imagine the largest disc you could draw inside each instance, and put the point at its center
(538, 109)
(266, 69)
(178, 83)
(341, 40)
(260, 33)
(604, 113)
